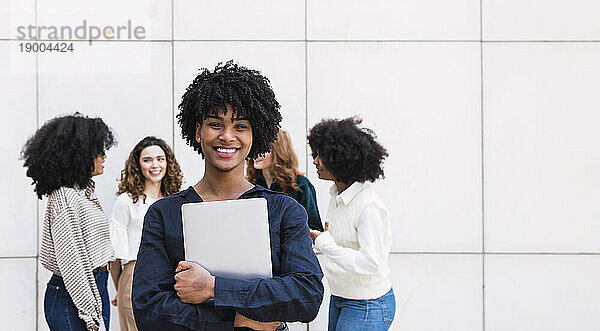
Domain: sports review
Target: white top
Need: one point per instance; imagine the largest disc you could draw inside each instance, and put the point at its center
(126, 226)
(75, 241)
(358, 243)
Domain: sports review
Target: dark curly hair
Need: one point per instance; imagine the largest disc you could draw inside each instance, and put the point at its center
(61, 153)
(132, 180)
(350, 153)
(247, 92)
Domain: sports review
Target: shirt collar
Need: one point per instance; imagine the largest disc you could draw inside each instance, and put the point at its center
(348, 194)
(191, 195)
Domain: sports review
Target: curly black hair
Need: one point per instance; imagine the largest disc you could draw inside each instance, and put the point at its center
(349, 152)
(61, 153)
(247, 92)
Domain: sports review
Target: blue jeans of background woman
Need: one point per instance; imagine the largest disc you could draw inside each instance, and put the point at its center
(370, 314)
(61, 313)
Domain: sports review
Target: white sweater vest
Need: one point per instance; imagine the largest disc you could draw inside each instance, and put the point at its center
(342, 228)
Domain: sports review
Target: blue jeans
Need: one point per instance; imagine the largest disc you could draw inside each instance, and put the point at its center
(372, 314)
(61, 313)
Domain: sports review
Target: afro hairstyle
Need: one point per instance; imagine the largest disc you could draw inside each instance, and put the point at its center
(247, 92)
(349, 152)
(61, 153)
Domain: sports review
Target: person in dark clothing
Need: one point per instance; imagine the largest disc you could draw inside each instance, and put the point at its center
(278, 171)
(227, 115)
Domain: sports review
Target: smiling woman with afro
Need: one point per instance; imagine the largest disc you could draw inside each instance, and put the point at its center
(227, 115)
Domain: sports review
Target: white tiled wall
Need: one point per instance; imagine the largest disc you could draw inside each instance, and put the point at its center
(18, 288)
(13, 14)
(541, 113)
(18, 229)
(539, 293)
(393, 20)
(492, 176)
(239, 20)
(154, 16)
(541, 20)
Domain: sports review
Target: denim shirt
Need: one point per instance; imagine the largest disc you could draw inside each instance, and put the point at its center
(294, 293)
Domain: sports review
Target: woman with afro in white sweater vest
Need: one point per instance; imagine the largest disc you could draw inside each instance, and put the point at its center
(357, 238)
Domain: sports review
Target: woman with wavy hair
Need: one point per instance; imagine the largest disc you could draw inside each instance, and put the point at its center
(61, 158)
(278, 171)
(151, 172)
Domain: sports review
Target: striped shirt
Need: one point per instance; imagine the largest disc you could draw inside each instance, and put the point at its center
(75, 241)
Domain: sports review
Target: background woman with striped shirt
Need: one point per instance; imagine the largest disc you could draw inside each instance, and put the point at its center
(61, 158)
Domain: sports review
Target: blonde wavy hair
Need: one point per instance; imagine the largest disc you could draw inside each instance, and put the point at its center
(285, 164)
(133, 182)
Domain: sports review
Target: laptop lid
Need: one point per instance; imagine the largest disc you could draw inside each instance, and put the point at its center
(229, 238)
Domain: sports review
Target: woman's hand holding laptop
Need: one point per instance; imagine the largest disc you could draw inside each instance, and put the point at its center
(193, 283)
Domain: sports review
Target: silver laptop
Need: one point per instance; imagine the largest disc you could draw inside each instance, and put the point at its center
(228, 238)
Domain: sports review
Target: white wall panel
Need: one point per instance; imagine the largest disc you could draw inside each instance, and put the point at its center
(282, 63)
(540, 123)
(423, 102)
(541, 20)
(18, 293)
(128, 84)
(239, 20)
(18, 229)
(542, 293)
(14, 14)
(297, 326)
(437, 292)
(153, 16)
(393, 20)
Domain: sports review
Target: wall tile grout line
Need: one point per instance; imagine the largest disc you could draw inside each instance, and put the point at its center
(307, 40)
(544, 253)
(306, 154)
(18, 257)
(499, 253)
(306, 97)
(172, 75)
(482, 167)
(416, 253)
(37, 204)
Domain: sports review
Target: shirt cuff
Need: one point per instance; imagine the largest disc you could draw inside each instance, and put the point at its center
(230, 292)
(119, 240)
(323, 241)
